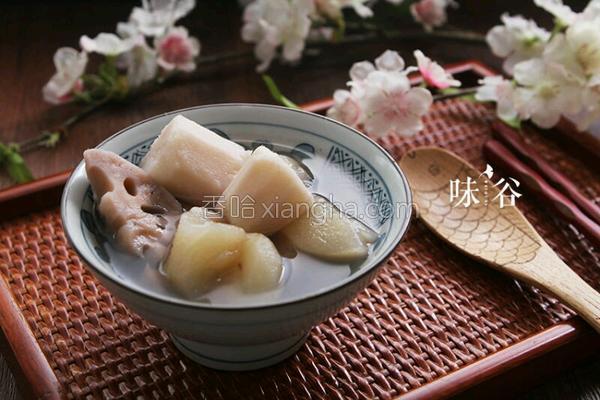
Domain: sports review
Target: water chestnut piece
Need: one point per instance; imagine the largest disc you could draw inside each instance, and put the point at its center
(266, 194)
(329, 234)
(261, 264)
(192, 162)
(203, 253)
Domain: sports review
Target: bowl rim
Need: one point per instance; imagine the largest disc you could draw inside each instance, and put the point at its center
(361, 273)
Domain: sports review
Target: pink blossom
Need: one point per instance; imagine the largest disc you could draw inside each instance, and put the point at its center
(70, 65)
(430, 13)
(381, 100)
(345, 109)
(177, 50)
(65, 98)
(391, 106)
(433, 74)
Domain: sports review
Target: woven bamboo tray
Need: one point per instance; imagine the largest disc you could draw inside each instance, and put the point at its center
(432, 324)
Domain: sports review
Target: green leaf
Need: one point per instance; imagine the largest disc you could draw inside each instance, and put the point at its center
(14, 164)
(559, 26)
(276, 93)
(449, 90)
(51, 139)
(83, 97)
(513, 122)
(121, 87)
(469, 97)
(108, 71)
(92, 81)
(341, 29)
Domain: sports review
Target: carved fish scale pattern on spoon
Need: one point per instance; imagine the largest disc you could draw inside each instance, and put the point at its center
(494, 234)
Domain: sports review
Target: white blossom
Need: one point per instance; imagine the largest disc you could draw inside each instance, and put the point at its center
(575, 54)
(433, 74)
(381, 100)
(391, 61)
(156, 17)
(517, 40)
(554, 75)
(127, 30)
(140, 63)
(591, 12)
(560, 58)
(431, 13)
(542, 95)
(584, 39)
(274, 23)
(590, 111)
(360, 70)
(499, 90)
(333, 8)
(177, 50)
(108, 44)
(70, 65)
(561, 12)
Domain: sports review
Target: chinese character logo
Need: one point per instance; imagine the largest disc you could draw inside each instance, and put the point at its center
(465, 193)
(468, 192)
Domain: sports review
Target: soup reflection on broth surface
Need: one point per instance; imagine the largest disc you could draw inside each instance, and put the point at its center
(307, 256)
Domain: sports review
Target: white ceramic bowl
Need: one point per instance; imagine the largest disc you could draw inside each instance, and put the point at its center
(248, 337)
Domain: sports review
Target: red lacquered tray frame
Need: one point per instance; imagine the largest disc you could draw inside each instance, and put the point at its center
(513, 369)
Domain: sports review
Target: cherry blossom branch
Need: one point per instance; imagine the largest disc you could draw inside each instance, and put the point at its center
(378, 33)
(49, 138)
(465, 36)
(465, 92)
(227, 56)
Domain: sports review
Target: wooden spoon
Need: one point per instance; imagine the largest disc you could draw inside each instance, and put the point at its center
(499, 236)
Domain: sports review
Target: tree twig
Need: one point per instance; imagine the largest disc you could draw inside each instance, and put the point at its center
(62, 130)
(454, 94)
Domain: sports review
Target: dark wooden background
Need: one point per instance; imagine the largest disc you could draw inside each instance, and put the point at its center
(30, 32)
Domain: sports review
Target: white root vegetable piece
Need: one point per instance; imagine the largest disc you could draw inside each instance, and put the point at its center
(192, 162)
(141, 214)
(365, 233)
(260, 264)
(329, 234)
(303, 172)
(266, 194)
(283, 245)
(203, 252)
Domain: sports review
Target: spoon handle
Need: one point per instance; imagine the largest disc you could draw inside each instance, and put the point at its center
(549, 272)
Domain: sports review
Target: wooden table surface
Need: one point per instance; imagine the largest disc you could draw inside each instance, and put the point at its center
(30, 32)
